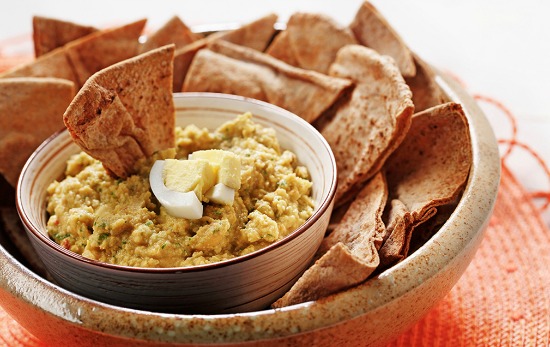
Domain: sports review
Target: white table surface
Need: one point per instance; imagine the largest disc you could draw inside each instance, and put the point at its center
(498, 48)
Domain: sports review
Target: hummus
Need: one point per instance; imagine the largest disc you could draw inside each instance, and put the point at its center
(119, 221)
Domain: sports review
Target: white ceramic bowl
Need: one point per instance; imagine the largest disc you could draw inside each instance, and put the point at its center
(245, 283)
(370, 314)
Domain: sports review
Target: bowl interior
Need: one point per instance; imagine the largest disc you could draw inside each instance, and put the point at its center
(207, 110)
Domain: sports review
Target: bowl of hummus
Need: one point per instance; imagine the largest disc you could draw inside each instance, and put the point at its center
(122, 241)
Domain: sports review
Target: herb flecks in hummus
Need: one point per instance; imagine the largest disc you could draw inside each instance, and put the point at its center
(119, 220)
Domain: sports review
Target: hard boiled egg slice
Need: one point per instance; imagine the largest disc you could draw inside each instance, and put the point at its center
(178, 204)
(228, 163)
(221, 194)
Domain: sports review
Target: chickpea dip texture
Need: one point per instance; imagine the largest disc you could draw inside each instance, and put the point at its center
(119, 221)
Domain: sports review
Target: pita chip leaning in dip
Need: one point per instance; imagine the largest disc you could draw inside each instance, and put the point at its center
(366, 129)
(228, 68)
(31, 109)
(429, 169)
(51, 33)
(373, 30)
(126, 112)
(310, 41)
(349, 254)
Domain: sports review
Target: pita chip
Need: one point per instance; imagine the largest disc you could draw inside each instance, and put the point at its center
(79, 59)
(50, 33)
(311, 41)
(365, 130)
(373, 30)
(103, 48)
(31, 109)
(280, 49)
(173, 31)
(429, 169)
(255, 35)
(228, 68)
(348, 256)
(52, 64)
(125, 112)
(426, 92)
(186, 42)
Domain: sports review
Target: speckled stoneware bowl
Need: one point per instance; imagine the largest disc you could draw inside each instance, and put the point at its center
(246, 283)
(367, 315)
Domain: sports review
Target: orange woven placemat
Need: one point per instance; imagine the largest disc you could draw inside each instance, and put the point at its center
(503, 298)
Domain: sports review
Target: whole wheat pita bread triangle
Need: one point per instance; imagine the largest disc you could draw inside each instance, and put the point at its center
(365, 130)
(125, 112)
(280, 49)
(233, 69)
(256, 35)
(373, 30)
(51, 33)
(53, 64)
(31, 109)
(426, 92)
(79, 59)
(173, 31)
(311, 41)
(429, 169)
(103, 48)
(349, 254)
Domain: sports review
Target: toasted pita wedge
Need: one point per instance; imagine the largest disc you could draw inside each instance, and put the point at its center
(429, 169)
(338, 265)
(182, 60)
(52, 64)
(50, 33)
(280, 49)
(426, 91)
(103, 48)
(256, 34)
(125, 112)
(349, 254)
(425, 230)
(176, 32)
(173, 31)
(400, 225)
(31, 109)
(361, 226)
(229, 68)
(311, 41)
(365, 130)
(372, 30)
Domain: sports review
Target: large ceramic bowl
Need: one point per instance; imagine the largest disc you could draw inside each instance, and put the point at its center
(367, 315)
(246, 283)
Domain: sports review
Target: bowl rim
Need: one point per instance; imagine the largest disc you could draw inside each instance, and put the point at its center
(319, 210)
(314, 315)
